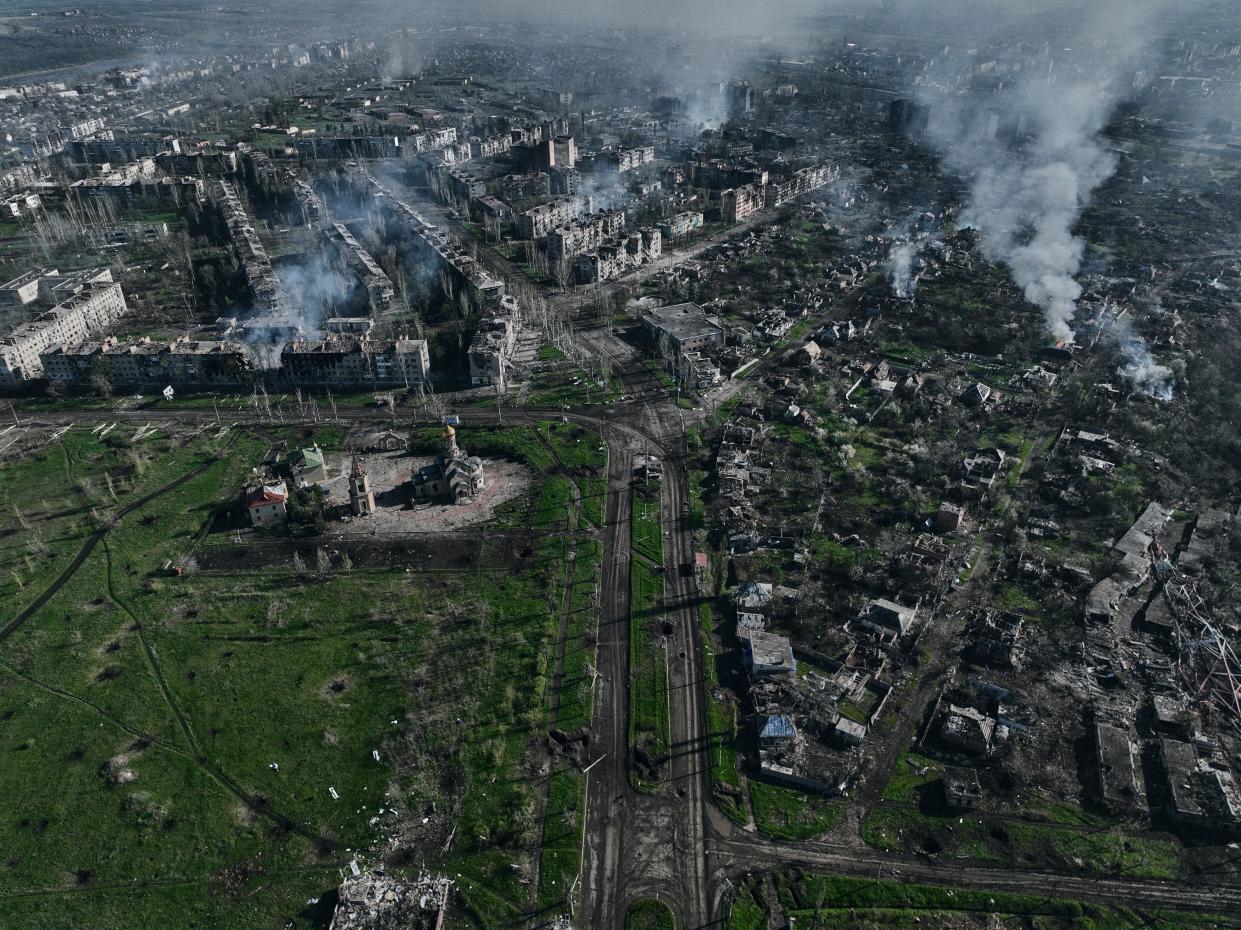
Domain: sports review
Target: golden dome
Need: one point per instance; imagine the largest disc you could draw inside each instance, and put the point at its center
(449, 433)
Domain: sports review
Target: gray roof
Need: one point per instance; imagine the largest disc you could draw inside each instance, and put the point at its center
(683, 321)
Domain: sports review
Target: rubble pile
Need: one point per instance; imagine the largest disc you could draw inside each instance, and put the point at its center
(375, 901)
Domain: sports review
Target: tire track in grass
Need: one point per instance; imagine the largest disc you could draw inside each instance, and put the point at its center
(89, 546)
(566, 601)
(141, 884)
(252, 802)
(73, 698)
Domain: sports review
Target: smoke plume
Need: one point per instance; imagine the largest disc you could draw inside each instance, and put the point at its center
(1031, 145)
(1140, 368)
(1027, 194)
(310, 293)
(900, 269)
(904, 266)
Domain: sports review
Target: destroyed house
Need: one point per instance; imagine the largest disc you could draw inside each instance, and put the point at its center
(1103, 601)
(307, 466)
(979, 470)
(1209, 538)
(750, 623)
(777, 733)
(753, 596)
(1114, 759)
(976, 395)
(949, 517)
(266, 504)
(997, 640)
(1169, 714)
(888, 618)
(967, 728)
(769, 654)
(848, 732)
(962, 790)
(1199, 794)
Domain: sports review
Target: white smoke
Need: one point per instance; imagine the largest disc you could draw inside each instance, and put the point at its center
(905, 265)
(1027, 195)
(1140, 368)
(1034, 152)
(310, 292)
(900, 269)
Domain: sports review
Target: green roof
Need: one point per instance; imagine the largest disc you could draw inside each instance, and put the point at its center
(307, 458)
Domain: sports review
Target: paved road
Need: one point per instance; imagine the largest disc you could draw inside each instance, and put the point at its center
(665, 845)
(607, 788)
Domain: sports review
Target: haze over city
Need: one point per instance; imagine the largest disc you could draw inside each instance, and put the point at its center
(646, 466)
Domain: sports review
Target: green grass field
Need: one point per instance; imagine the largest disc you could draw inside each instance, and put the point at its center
(1012, 842)
(787, 814)
(841, 903)
(648, 689)
(649, 914)
(171, 741)
(721, 727)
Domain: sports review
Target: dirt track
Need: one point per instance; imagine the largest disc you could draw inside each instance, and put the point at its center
(668, 847)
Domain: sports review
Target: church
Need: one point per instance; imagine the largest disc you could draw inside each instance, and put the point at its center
(453, 478)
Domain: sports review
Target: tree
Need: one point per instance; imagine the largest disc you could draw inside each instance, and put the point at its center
(305, 511)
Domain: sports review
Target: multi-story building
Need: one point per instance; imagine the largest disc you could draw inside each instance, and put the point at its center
(490, 147)
(539, 221)
(462, 185)
(535, 156)
(681, 225)
(94, 307)
(565, 150)
(683, 328)
(740, 97)
(491, 350)
(197, 164)
(339, 360)
(520, 186)
(739, 202)
(355, 362)
(23, 289)
(587, 233)
(615, 258)
(251, 255)
(370, 277)
(167, 190)
(14, 179)
(120, 151)
(434, 139)
(618, 161)
(463, 276)
(800, 182)
(564, 180)
(719, 174)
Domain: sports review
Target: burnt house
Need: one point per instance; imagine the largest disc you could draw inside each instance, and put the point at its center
(1119, 789)
(962, 790)
(967, 728)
